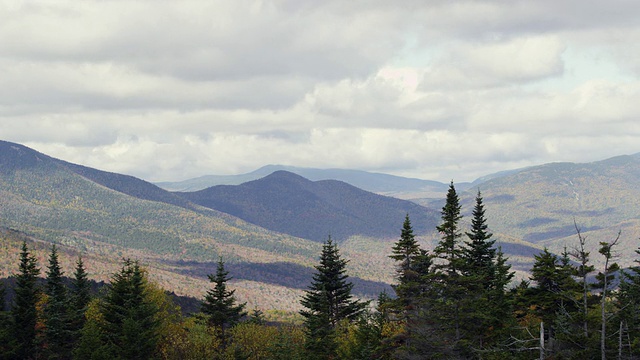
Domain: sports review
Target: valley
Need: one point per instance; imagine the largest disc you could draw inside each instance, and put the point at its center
(269, 229)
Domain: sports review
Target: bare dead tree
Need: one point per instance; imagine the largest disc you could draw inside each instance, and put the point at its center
(606, 251)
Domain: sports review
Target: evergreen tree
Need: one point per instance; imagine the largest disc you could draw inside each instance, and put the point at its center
(412, 267)
(479, 253)
(327, 302)
(24, 312)
(404, 253)
(554, 297)
(7, 343)
(449, 288)
(130, 326)
(485, 309)
(257, 317)
(57, 333)
(80, 297)
(219, 303)
(448, 249)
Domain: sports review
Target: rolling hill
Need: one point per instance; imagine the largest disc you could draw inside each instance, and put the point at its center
(539, 204)
(290, 204)
(384, 184)
(268, 230)
(109, 216)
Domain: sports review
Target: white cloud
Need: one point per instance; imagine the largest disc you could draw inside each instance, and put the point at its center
(439, 89)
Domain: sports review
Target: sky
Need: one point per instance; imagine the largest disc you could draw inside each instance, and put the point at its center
(440, 89)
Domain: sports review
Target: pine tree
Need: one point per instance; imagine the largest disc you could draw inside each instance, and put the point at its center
(219, 303)
(24, 312)
(327, 302)
(130, 325)
(57, 331)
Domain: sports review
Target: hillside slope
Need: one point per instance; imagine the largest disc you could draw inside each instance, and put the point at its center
(539, 204)
(385, 184)
(288, 203)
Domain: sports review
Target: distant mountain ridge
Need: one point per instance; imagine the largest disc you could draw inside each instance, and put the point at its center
(539, 204)
(289, 203)
(275, 222)
(379, 183)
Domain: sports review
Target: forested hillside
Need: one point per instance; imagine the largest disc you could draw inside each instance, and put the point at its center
(290, 204)
(455, 301)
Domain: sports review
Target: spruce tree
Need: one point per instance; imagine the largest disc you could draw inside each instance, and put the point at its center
(405, 252)
(448, 249)
(450, 285)
(7, 343)
(219, 304)
(57, 333)
(412, 269)
(327, 302)
(554, 296)
(479, 253)
(80, 296)
(130, 325)
(485, 310)
(24, 312)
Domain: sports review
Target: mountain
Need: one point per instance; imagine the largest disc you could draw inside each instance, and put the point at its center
(397, 186)
(539, 204)
(291, 204)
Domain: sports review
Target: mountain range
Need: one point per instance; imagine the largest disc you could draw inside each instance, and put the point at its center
(384, 184)
(269, 230)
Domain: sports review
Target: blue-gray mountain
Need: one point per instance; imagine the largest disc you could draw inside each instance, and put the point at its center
(385, 184)
(290, 204)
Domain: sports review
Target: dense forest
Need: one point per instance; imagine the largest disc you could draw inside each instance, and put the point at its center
(456, 301)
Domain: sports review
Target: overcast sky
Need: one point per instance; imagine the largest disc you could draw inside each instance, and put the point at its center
(438, 89)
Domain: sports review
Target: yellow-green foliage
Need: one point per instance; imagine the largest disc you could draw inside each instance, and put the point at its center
(189, 340)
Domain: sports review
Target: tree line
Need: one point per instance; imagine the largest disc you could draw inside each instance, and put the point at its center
(457, 301)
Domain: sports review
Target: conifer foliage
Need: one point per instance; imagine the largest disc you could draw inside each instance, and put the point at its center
(327, 302)
(57, 319)
(129, 324)
(219, 304)
(25, 315)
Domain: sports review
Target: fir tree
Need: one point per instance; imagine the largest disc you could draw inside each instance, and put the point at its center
(486, 275)
(448, 249)
(7, 343)
(24, 312)
(412, 267)
(449, 291)
(219, 304)
(130, 326)
(479, 253)
(257, 317)
(327, 302)
(57, 331)
(79, 299)
(553, 295)
(406, 252)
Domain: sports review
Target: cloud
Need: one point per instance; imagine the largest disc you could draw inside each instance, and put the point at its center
(167, 90)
